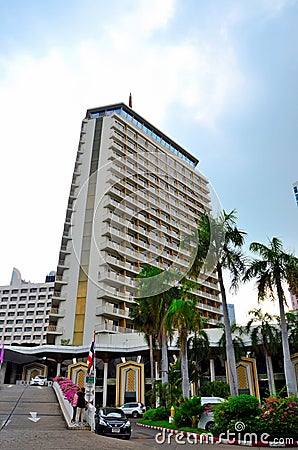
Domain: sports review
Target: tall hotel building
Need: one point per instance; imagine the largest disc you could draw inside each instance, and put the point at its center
(135, 196)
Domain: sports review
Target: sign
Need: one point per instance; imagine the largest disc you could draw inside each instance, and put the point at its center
(90, 380)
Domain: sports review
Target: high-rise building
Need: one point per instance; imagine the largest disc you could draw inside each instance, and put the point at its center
(24, 311)
(295, 190)
(135, 196)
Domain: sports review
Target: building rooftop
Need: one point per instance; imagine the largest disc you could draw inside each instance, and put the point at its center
(145, 126)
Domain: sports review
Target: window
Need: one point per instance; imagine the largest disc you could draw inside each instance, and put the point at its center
(23, 297)
(5, 291)
(37, 328)
(12, 306)
(28, 329)
(2, 314)
(40, 305)
(10, 322)
(14, 291)
(27, 338)
(11, 314)
(31, 305)
(43, 289)
(29, 320)
(24, 290)
(8, 329)
(3, 306)
(1, 321)
(21, 313)
(30, 313)
(18, 329)
(32, 297)
(7, 338)
(13, 299)
(38, 320)
(18, 321)
(39, 313)
(4, 299)
(41, 297)
(33, 290)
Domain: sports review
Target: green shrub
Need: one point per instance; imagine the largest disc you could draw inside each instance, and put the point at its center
(189, 412)
(156, 414)
(243, 408)
(215, 389)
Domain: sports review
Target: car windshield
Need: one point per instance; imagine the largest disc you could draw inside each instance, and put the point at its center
(113, 412)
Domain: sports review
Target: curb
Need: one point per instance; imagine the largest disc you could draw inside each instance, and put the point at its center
(210, 439)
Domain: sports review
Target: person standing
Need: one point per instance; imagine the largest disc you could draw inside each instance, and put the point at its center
(81, 404)
(74, 406)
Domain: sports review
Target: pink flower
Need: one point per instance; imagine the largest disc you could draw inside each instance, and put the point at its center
(282, 417)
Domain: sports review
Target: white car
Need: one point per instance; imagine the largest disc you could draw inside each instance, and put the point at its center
(39, 380)
(206, 420)
(134, 409)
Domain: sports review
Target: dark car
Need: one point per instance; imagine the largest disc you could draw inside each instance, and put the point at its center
(112, 422)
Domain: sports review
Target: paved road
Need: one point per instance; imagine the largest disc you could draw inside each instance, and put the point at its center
(19, 430)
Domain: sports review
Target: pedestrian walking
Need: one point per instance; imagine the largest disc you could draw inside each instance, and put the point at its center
(81, 405)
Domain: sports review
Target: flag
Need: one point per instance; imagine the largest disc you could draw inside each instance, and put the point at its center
(2, 354)
(91, 356)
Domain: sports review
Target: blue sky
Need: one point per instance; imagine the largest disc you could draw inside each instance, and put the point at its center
(219, 77)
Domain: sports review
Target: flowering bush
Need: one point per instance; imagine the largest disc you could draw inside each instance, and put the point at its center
(68, 387)
(280, 416)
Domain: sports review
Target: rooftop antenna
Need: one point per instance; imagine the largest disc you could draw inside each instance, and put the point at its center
(130, 101)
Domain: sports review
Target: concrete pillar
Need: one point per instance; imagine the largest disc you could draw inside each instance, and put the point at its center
(105, 383)
(13, 373)
(2, 372)
(212, 370)
(58, 369)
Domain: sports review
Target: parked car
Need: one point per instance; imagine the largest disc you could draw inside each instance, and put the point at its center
(39, 380)
(134, 409)
(206, 420)
(112, 422)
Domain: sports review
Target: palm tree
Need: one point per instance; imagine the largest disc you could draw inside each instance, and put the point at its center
(238, 344)
(219, 244)
(183, 315)
(143, 314)
(292, 324)
(274, 268)
(198, 348)
(265, 337)
(155, 288)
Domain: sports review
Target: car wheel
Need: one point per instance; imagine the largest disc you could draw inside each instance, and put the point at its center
(135, 414)
(209, 426)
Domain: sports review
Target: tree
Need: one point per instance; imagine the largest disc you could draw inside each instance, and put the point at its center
(238, 344)
(156, 293)
(143, 313)
(265, 337)
(184, 316)
(198, 348)
(272, 269)
(292, 324)
(219, 244)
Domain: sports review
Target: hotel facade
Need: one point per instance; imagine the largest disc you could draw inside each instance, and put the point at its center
(134, 200)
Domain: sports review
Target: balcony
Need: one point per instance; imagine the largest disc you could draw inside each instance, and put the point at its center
(53, 329)
(111, 328)
(110, 310)
(60, 280)
(57, 312)
(57, 296)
